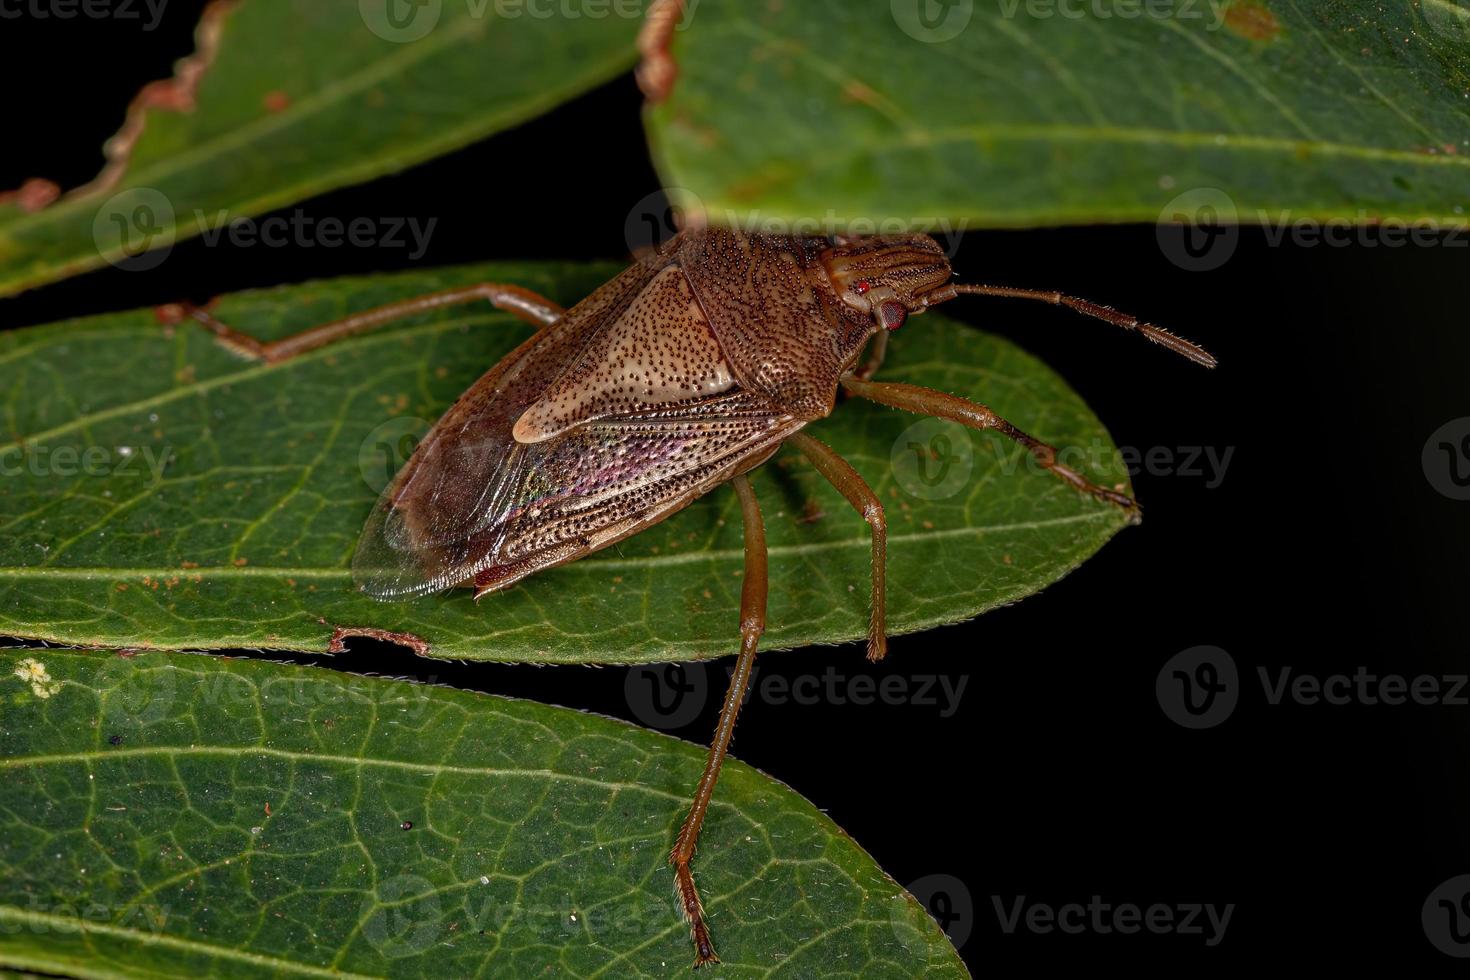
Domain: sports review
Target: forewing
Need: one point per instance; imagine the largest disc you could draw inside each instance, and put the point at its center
(625, 411)
(436, 507)
(559, 499)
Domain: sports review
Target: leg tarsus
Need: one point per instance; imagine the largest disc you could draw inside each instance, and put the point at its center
(523, 303)
(752, 625)
(852, 486)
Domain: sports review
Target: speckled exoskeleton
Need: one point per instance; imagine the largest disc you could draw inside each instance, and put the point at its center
(686, 371)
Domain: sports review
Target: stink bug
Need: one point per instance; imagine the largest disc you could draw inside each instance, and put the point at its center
(686, 371)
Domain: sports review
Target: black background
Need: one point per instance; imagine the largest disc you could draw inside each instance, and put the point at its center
(1324, 549)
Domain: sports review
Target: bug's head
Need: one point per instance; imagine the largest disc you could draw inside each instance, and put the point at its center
(887, 276)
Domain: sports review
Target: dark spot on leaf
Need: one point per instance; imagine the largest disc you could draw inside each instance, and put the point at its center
(406, 825)
(1401, 183)
(1252, 21)
(114, 740)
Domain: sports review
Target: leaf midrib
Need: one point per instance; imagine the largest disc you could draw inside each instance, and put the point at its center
(85, 573)
(84, 925)
(911, 136)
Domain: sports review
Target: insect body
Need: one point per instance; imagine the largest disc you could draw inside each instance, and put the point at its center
(685, 372)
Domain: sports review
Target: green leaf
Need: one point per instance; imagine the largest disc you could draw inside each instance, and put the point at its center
(305, 96)
(160, 492)
(1043, 112)
(186, 815)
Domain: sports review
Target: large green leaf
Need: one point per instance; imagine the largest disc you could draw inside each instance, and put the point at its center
(302, 96)
(223, 498)
(1032, 112)
(178, 815)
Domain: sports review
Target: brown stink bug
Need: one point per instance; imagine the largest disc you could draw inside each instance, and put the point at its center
(687, 371)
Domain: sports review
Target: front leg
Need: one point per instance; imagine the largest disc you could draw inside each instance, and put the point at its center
(936, 404)
(535, 309)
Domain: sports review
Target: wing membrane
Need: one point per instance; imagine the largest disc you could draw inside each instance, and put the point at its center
(553, 501)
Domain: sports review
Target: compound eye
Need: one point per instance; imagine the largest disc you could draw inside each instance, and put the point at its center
(892, 314)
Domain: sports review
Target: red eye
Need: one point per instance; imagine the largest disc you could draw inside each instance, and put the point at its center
(861, 286)
(892, 314)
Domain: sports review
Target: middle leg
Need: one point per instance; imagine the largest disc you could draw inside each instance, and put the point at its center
(850, 484)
